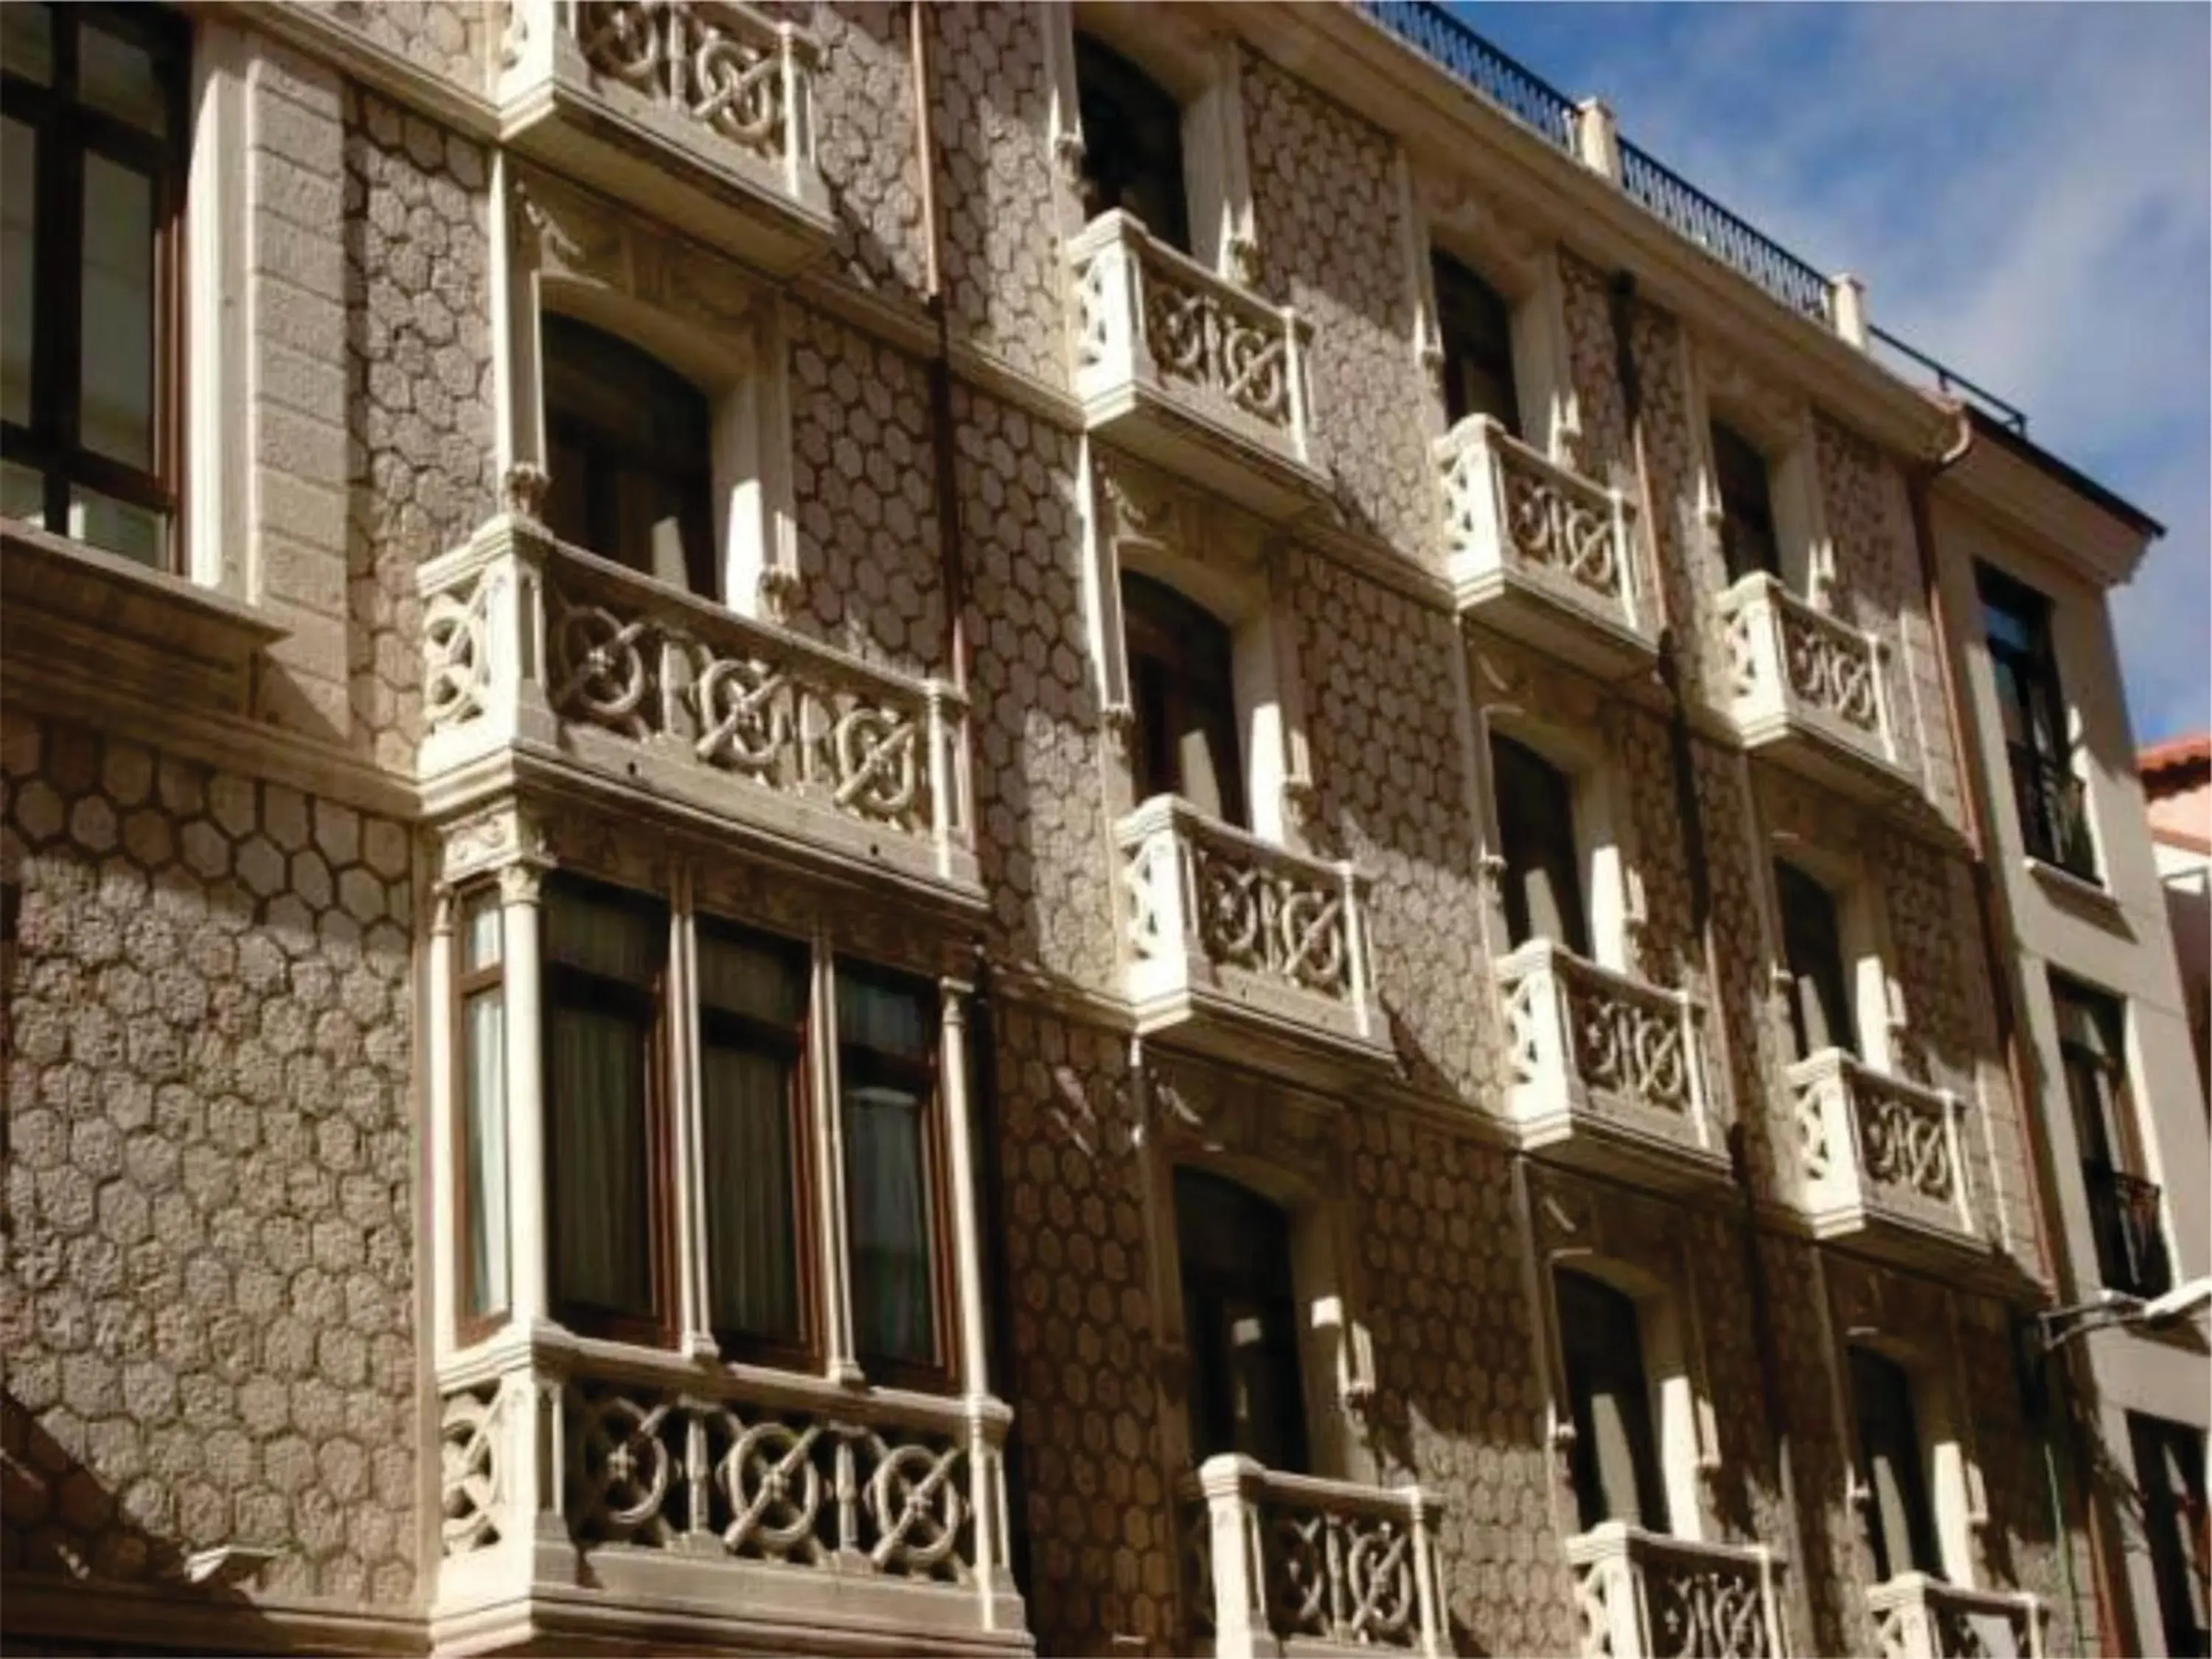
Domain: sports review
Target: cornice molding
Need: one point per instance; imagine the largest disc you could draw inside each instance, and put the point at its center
(1389, 83)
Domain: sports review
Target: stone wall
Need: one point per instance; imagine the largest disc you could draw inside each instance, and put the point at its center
(209, 1305)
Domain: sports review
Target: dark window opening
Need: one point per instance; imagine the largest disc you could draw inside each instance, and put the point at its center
(2169, 1459)
(1536, 830)
(1182, 681)
(1240, 1319)
(754, 1136)
(1748, 541)
(895, 1182)
(94, 138)
(1900, 1526)
(607, 1144)
(631, 456)
(2053, 806)
(1614, 1461)
(1813, 948)
(1476, 325)
(1131, 143)
(2124, 1220)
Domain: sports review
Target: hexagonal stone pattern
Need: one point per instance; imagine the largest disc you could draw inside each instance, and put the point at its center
(208, 1308)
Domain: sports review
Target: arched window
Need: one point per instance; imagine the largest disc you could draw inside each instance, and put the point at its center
(1813, 948)
(1900, 1524)
(1131, 143)
(1181, 680)
(1240, 1320)
(1615, 1463)
(1536, 832)
(1475, 325)
(629, 451)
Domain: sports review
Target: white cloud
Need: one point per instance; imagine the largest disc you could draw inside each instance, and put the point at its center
(2026, 190)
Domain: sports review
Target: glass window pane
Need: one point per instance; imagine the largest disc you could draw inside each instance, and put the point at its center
(599, 1218)
(603, 936)
(483, 1136)
(752, 1259)
(27, 40)
(887, 1198)
(750, 976)
(888, 1017)
(134, 532)
(480, 932)
(19, 203)
(1614, 1459)
(119, 77)
(118, 381)
(1240, 1320)
(22, 493)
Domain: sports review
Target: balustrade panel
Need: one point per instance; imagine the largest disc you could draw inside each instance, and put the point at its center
(1790, 666)
(1871, 1145)
(1644, 1595)
(1916, 1617)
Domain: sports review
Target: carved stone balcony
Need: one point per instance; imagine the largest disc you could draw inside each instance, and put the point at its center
(1607, 1069)
(538, 655)
(1232, 938)
(1542, 552)
(699, 111)
(1642, 1596)
(1289, 1564)
(1188, 371)
(1808, 688)
(1882, 1158)
(1916, 1617)
(594, 1496)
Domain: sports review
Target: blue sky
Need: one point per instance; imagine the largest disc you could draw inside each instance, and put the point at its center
(2026, 190)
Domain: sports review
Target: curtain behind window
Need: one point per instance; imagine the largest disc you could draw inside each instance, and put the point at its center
(1614, 1461)
(886, 1036)
(483, 1089)
(1899, 1525)
(1536, 828)
(603, 957)
(752, 1002)
(1812, 944)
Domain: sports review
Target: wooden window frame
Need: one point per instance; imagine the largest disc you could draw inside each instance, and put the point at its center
(469, 1328)
(1924, 1525)
(806, 1353)
(1647, 1449)
(563, 986)
(939, 1374)
(1292, 1358)
(2180, 1547)
(67, 131)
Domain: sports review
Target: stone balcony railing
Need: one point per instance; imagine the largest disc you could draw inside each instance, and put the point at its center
(1916, 1617)
(536, 648)
(1645, 1595)
(1877, 1152)
(701, 109)
(1222, 923)
(1605, 1065)
(1187, 369)
(1808, 687)
(606, 1486)
(1542, 550)
(1291, 1564)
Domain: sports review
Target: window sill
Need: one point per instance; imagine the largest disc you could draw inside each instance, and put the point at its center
(2083, 892)
(84, 612)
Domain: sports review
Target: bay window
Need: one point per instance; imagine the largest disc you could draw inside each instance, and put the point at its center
(733, 1142)
(93, 136)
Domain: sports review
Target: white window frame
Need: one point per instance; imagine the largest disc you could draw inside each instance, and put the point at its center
(560, 249)
(1444, 215)
(1203, 71)
(1219, 559)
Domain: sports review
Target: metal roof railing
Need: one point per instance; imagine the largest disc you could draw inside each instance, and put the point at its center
(1432, 30)
(1505, 82)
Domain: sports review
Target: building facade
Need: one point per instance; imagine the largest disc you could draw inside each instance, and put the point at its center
(2177, 784)
(862, 828)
